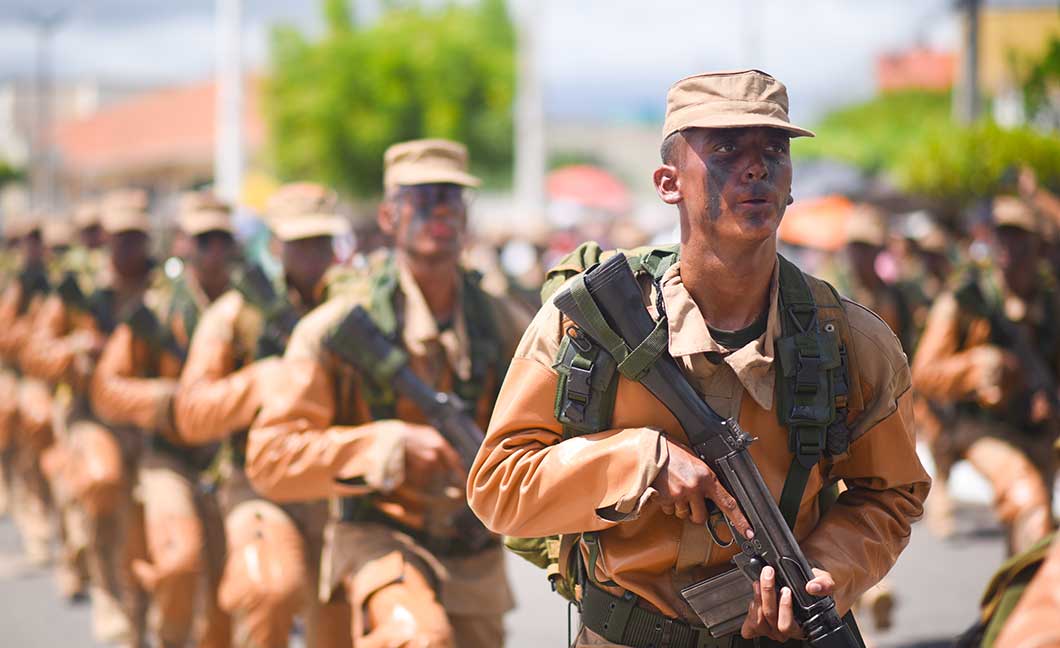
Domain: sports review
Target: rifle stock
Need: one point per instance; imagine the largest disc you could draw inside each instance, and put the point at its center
(723, 446)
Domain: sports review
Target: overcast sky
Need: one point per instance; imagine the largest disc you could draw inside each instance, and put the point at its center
(599, 58)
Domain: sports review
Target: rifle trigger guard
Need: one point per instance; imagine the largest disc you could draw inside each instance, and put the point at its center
(717, 517)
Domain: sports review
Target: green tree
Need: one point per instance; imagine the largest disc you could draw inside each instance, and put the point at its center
(333, 105)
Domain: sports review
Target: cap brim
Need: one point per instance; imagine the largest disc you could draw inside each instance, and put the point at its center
(743, 121)
(434, 176)
(309, 228)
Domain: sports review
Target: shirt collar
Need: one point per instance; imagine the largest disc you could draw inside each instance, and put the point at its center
(689, 336)
(420, 329)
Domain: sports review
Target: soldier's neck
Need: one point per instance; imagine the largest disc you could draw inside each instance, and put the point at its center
(438, 280)
(729, 283)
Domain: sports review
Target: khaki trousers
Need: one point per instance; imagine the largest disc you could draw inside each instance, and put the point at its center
(400, 594)
(271, 570)
(182, 527)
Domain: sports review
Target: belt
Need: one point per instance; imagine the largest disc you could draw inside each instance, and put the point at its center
(620, 620)
(360, 509)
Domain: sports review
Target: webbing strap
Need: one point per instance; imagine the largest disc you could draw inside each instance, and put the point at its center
(621, 621)
(791, 495)
(647, 352)
(601, 330)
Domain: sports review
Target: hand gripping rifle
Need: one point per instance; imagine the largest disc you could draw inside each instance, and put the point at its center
(606, 304)
(359, 342)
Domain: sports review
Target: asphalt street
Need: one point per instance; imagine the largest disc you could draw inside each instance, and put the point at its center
(937, 586)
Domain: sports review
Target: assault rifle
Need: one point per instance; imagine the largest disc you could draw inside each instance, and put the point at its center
(146, 326)
(1037, 374)
(280, 315)
(70, 293)
(358, 341)
(609, 309)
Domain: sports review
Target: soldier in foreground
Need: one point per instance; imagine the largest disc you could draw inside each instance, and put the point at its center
(272, 561)
(396, 554)
(990, 350)
(616, 478)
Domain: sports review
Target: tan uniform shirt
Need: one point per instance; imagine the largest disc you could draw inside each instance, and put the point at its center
(1033, 624)
(528, 481)
(219, 391)
(315, 428)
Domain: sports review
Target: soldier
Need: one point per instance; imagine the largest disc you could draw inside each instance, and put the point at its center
(96, 463)
(132, 389)
(982, 348)
(330, 431)
(9, 262)
(273, 552)
(621, 483)
(31, 498)
(866, 237)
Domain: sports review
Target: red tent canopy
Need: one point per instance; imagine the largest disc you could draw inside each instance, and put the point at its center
(819, 223)
(589, 186)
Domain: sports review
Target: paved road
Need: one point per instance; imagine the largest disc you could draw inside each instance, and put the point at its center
(938, 585)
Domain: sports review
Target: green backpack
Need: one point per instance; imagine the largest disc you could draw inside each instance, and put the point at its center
(814, 391)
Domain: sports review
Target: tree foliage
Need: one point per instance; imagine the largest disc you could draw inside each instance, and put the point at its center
(910, 138)
(333, 105)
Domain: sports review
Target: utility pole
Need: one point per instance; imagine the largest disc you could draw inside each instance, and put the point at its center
(529, 114)
(43, 177)
(966, 96)
(228, 134)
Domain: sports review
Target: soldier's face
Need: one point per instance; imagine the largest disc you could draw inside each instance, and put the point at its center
(1017, 250)
(92, 237)
(32, 248)
(213, 253)
(428, 220)
(306, 260)
(128, 253)
(735, 182)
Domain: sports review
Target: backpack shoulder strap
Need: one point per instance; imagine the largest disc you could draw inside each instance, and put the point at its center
(813, 378)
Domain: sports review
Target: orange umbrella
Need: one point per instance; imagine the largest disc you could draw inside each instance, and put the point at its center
(818, 223)
(589, 186)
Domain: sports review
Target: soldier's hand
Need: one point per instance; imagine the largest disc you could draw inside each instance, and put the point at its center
(428, 455)
(685, 484)
(771, 614)
(997, 374)
(1041, 408)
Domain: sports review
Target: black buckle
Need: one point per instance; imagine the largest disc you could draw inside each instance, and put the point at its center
(579, 384)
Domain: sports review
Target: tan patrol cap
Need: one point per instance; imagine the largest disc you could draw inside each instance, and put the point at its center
(867, 225)
(1013, 212)
(87, 214)
(201, 212)
(426, 161)
(58, 232)
(19, 225)
(729, 100)
(125, 210)
(304, 210)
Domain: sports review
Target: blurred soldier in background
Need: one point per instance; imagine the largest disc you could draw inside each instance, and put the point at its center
(329, 430)
(8, 378)
(132, 389)
(96, 464)
(273, 552)
(991, 349)
(31, 432)
(866, 238)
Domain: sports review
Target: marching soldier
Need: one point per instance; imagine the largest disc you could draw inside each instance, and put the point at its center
(132, 389)
(31, 430)
(273, 552)
(866, 237)
(395, 556)
(990, 349)
(616, 478)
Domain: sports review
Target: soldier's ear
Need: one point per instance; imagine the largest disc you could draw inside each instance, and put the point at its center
(665, 179)
(387, 217)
